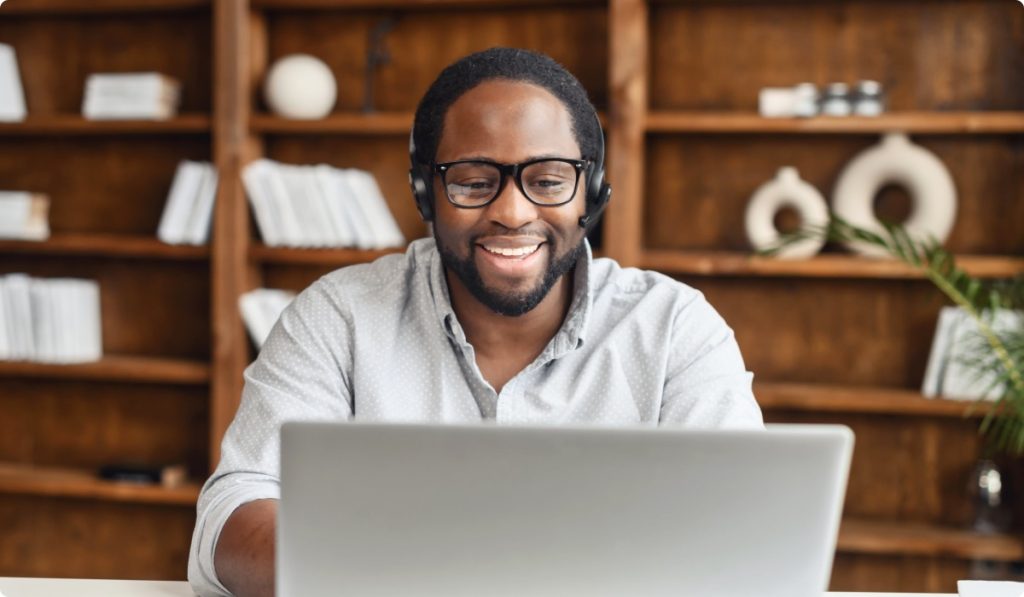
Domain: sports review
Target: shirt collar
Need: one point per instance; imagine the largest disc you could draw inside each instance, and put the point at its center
(570, 335)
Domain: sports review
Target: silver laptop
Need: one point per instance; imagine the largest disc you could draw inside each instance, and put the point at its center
(487, 510)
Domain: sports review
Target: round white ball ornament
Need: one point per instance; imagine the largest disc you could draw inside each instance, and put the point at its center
(785, 190)
(897, 161)
(300, 86)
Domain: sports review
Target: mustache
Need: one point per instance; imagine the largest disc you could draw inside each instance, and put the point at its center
(525, 231)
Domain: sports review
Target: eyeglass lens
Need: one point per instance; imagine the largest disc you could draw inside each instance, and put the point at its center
(546, 182)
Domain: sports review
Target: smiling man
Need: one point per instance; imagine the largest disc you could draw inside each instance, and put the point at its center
(503, 315)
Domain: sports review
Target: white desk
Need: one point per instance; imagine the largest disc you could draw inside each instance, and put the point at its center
(62, 587)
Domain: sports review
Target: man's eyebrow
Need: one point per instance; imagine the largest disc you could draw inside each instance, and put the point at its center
(484, 158)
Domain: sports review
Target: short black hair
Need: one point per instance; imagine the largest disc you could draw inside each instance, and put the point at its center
(504, 63)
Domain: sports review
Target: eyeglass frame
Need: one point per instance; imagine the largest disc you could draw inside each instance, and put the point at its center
(515, 171)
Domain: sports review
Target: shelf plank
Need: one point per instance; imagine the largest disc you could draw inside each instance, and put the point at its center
(712, 263)
(853, 399)
(117, 368)
(16, 479)
(889, 537)
(73, 124)
(922, 123)
(333, 257)
(371, 123)
(425, 4)
(57, 7)
(106, 245)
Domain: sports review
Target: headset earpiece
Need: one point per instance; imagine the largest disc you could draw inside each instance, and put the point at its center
(599, 192)
(420, 183)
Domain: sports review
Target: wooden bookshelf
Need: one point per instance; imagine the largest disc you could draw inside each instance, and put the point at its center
(329, 257)
(18, 479)
(886, 537)
(918, 123)
(72, 7)
(374, 123)
(832, 398)
(407, 4)
(720, 263)
(72, 124)
(106, 245)
(115, 368)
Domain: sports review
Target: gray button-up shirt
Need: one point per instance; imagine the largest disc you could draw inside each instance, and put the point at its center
(380, 342)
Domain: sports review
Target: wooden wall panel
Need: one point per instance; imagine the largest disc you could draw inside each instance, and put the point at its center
(157, 308)
(82, 424)
(70, 538)
(929, 55)
(857, 332)
(425, 41)
(697, 187)
(99, 184)
(894, 573)
(57, 53)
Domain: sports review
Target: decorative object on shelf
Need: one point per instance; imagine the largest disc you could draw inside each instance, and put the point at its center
(261, 309)
(835, 101)
(788, 102)
(319, 206)
(301, 87)
(785, 190)
(990, 493)
(868, 99)
(131, 96)
(897, 161)
(1000, 356)
(49, 320)
(376, 56)
(12, 95)
(24, 215)
(168, 476)
(189, 207)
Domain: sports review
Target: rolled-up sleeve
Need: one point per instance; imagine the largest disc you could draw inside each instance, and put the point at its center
(300, 374)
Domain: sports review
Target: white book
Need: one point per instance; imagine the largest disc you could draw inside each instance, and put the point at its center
(5, 341)
(20, 323)
(382, 223)
(324, 178)
(130, 96)
(57, 327)
(939, 354)
(188, 178)
(42, 321)
(355, 209)
(158, 112)
(197, 232)
(301, 205)
(284, 207)
(261, 308)
(12, 95)
(91, 348)
(254, 178)
(333, 236)
(24, 216)
(961, 380)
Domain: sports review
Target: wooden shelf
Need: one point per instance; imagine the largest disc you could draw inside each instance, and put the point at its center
(888, 537)
(16, 479)
(53, 7)
(106, 245)
(921, 123)
(73, 124)
(374, 123)
(852, 399)
(424, 4)
(714, 263)
(117, 368)
(335, 257)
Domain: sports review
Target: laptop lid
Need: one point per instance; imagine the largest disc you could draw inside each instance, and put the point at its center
(381, 509)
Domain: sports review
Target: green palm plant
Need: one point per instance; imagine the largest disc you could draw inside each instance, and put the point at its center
(1000, 357)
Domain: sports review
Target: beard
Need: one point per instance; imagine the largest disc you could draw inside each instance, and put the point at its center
(508, 303)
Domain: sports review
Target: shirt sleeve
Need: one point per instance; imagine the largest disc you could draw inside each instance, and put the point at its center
(301, 373)
(706, 383)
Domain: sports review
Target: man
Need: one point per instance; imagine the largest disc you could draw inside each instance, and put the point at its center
(501, 315)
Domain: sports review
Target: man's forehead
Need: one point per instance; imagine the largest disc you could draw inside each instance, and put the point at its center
(507, 116)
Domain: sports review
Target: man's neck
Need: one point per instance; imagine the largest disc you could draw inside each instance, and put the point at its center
(516, 341)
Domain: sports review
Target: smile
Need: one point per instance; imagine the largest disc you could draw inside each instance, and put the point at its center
(512, 251)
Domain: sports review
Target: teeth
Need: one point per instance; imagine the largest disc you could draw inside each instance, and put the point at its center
(517, 252)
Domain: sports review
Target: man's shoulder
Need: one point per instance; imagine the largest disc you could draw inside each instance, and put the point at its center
(374, 283)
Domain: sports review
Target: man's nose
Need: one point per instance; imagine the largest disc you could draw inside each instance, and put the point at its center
(511, 209)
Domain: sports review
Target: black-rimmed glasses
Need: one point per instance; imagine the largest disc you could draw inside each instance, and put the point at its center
(546, 181)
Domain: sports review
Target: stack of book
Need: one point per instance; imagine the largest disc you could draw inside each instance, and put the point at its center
(958, 349)
(131, 96)
(189, 207)
(49, 320)
(319, 206)
(12, 96)
(24, 216)
(261, 309)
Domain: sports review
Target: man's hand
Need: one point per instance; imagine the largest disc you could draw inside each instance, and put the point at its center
(244, 557)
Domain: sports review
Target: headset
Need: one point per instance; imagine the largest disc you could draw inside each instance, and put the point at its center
(599, 192)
